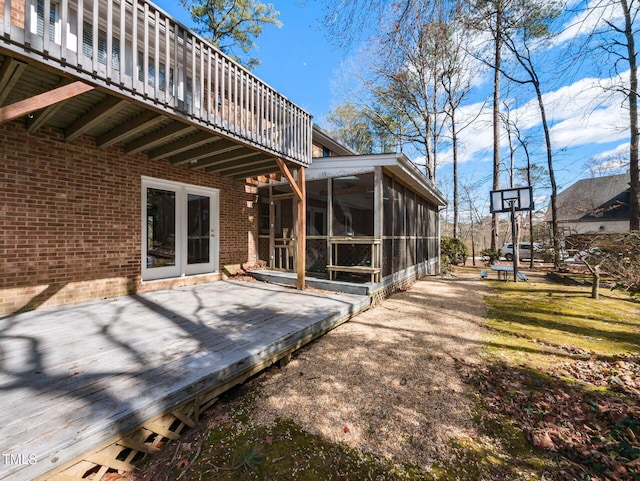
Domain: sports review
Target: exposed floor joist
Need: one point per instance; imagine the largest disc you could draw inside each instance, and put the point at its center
(202, 152)
(181, 145)
(236, 152)
(253, 171)
(104, 109)
(160, 137)
(40, 118)
(9, 75)
(232, 168)
(129, 129)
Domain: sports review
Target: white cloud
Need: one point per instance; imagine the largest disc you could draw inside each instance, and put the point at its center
(621, 151)
(599, 127)
(592, 17)
(585, 112)
(613, 161)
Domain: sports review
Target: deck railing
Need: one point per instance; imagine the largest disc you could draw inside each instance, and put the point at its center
(133, 46)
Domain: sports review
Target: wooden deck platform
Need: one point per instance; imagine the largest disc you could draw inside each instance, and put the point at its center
(75, 378)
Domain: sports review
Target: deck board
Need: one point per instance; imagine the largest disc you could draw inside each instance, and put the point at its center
(71, 378)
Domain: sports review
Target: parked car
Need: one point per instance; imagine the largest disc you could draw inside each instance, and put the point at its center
(525, 251)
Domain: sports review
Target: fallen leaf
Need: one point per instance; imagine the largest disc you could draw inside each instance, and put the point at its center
(268, 440)
(346, 429)
(183, 463)
(634, 463)
(542, 440)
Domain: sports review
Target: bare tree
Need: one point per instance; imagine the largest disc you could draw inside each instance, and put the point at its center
(414, 43)
(616, 255)
(488, 16)
(528, 26)
(456, 82)
(611, 27)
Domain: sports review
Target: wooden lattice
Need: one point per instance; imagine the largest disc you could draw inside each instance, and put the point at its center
(121, 455)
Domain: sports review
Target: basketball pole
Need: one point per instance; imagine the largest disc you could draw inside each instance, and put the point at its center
(512, 204)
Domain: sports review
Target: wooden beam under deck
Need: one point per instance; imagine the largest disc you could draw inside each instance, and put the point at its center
(41, 101)
(235, 168)
(9, 75)
(182, 145)
(289, 176)
(97, 114)
(40, 118)
(160, 137)
(205, 151)
(129, 129)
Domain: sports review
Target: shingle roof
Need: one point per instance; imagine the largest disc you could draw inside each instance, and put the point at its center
(598, 198)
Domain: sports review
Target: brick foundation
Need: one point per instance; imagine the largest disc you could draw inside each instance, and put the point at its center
(71, 227)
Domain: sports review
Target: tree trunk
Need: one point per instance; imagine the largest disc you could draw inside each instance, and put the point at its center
(634, 204)
(530, 214)
(454, 139)
(496, 118)
(555, 234)
(595, 287)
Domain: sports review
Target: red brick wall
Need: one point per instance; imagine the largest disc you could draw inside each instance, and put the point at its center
(70, 227)
(17, 12)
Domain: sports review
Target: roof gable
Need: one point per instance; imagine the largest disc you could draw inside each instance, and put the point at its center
(597, 198)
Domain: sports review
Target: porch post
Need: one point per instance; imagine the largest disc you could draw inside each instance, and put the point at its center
(302, 229)
(300, 190)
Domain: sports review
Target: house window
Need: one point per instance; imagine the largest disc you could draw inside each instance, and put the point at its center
(179, 229)
(37, 20)
(88, 46)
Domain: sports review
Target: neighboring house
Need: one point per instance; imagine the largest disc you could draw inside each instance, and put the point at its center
(370, 218)
(126, 142)
(598, 204)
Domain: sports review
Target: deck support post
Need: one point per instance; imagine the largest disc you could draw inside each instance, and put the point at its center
(300, 191)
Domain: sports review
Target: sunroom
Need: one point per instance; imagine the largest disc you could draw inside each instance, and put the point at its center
(370, 220)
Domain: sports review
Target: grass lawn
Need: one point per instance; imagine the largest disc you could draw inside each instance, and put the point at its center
(564, 370)
(556, 396)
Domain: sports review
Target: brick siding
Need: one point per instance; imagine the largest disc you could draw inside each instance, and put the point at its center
(71, 226)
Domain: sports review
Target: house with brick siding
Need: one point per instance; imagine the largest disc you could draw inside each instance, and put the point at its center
(135, 157)
(128, 145)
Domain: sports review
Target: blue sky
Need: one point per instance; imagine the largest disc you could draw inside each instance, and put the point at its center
(296, 59)
(299, 62)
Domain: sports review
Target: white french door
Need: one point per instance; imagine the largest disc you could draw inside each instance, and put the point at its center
(179, 229)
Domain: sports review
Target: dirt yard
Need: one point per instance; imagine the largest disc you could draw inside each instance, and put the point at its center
(386, 382)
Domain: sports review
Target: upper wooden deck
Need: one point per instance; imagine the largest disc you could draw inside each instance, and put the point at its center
(74, 378)
(132, 51)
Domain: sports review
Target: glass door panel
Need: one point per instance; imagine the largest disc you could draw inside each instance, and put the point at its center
(201, 232)
(179, 229)
(198, 227)
(161, 233)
